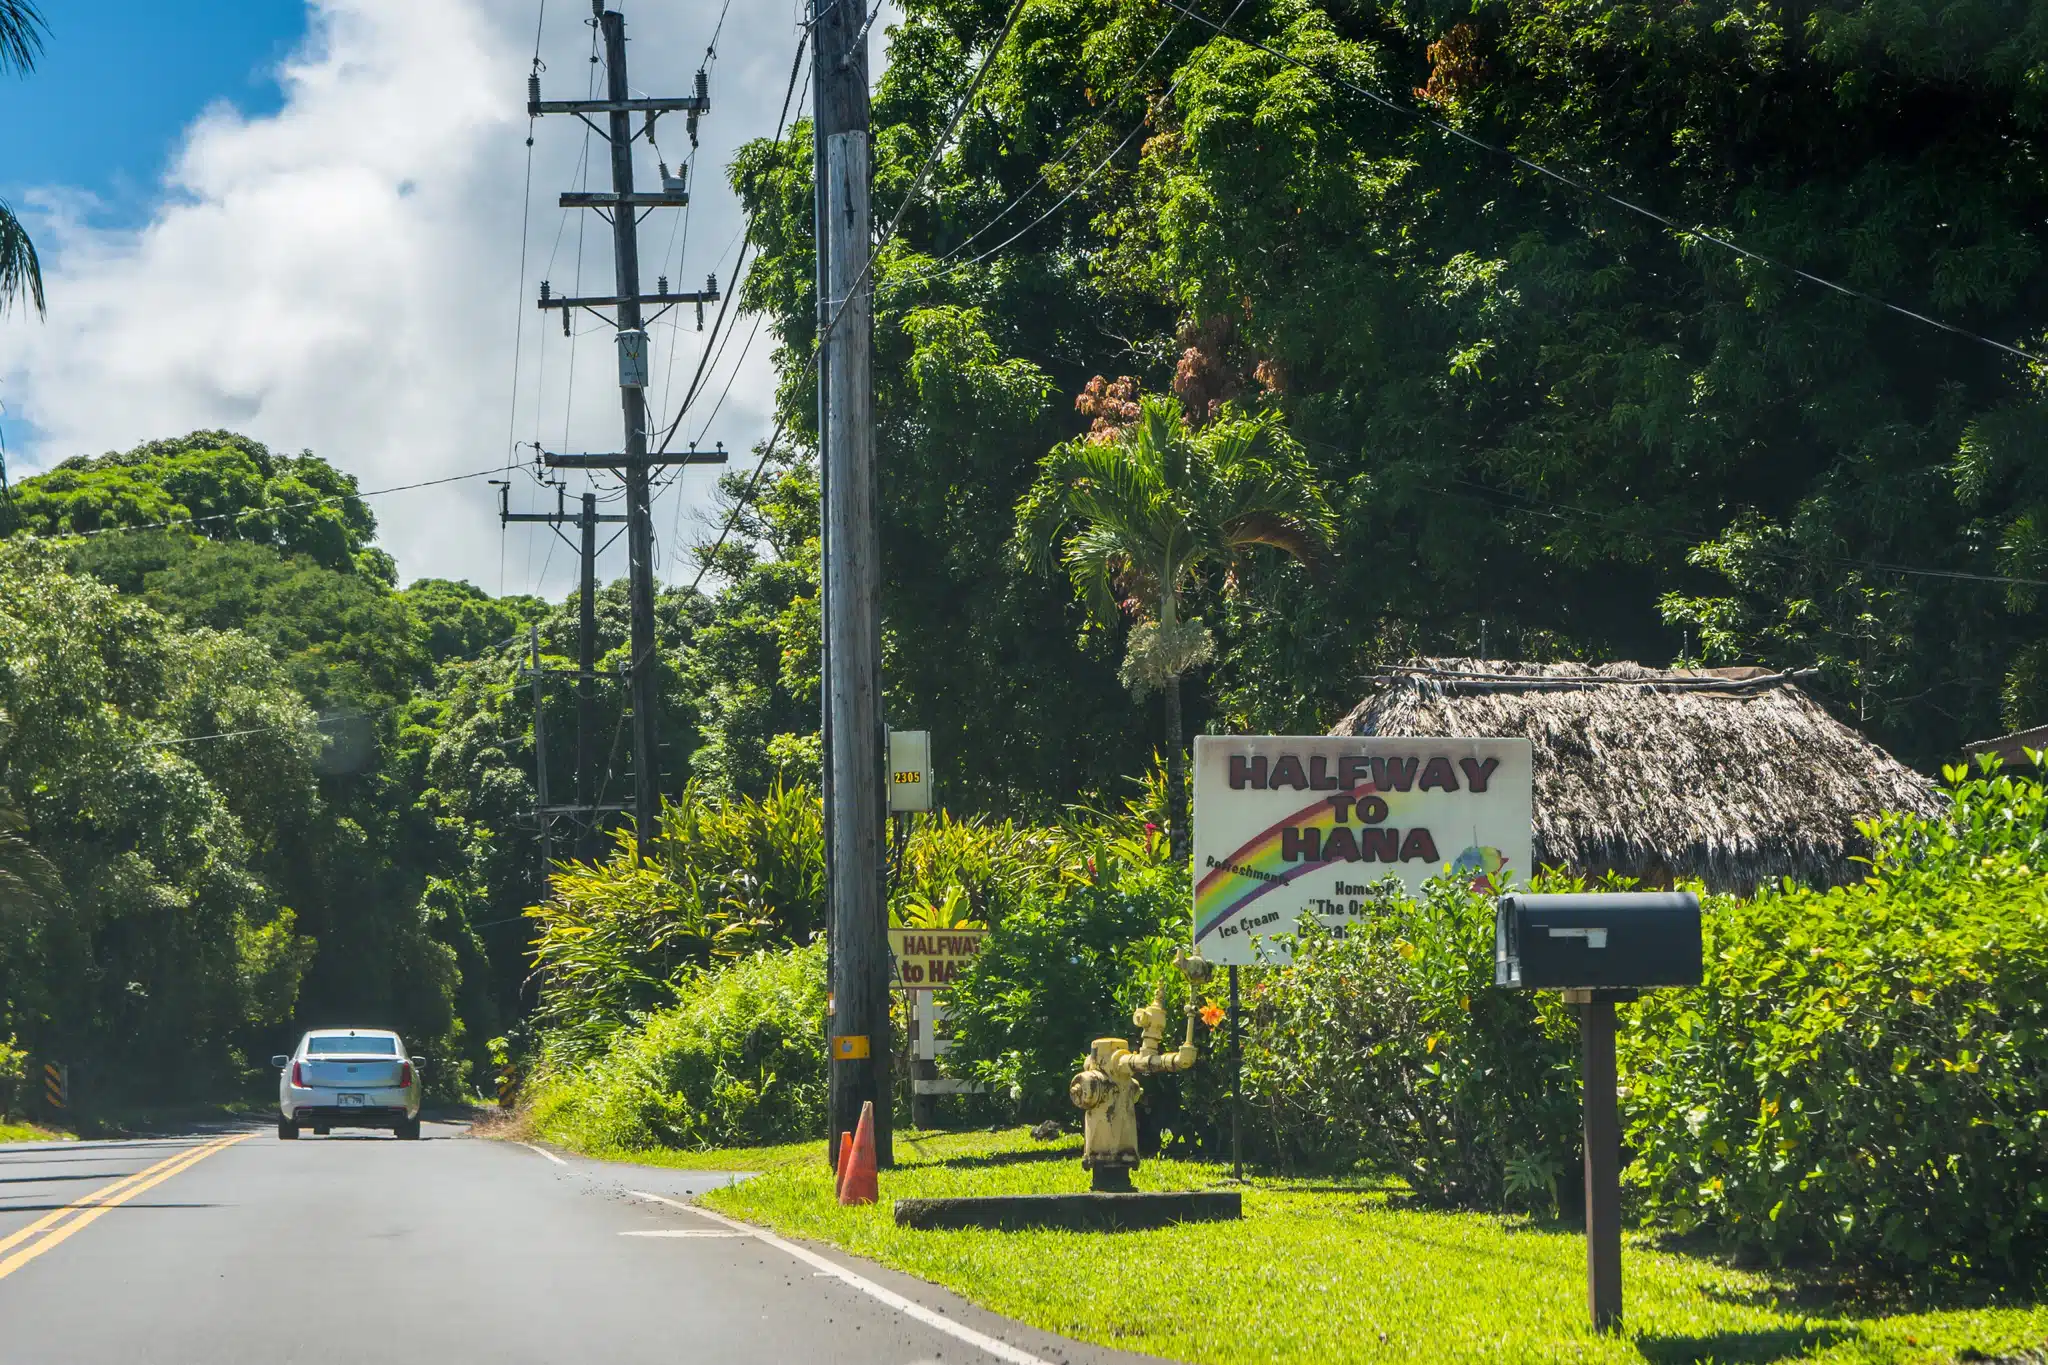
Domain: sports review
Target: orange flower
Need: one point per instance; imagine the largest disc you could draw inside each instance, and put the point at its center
(1212, 1015)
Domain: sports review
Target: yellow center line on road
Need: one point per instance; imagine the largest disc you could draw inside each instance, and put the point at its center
(91, 1206)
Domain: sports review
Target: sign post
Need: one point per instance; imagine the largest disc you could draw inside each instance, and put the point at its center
(929, 959)
(924, 962)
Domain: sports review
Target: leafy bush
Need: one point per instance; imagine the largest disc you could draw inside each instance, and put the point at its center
(740, 1061)
(622, 937)
(1066, 967)
(1864, 1073)
(731, 876)
(1390, 1046)
(13, 1071)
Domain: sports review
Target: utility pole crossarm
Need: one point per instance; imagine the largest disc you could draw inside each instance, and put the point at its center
(632, 199)
(702, 296)
(675, 104)
(633, 461)
(552, 518)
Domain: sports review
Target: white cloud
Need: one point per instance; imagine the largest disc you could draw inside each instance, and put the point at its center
(343, 275)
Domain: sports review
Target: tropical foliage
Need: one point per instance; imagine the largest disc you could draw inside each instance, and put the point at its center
(1147, 508)
(738, 1061)
(1861, 1076)
(1389, 1047)
(21, 42)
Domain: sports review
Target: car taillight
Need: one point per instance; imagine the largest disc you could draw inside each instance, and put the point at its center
(298, 1076)
(405, 1075)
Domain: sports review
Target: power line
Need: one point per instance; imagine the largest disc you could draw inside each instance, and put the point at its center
(917, 183)
(739, 268)
(519, 317)
(938, 273)
(510, 683)
(732, 518)
(1576, 182)
(258, 510)
(1045, 174)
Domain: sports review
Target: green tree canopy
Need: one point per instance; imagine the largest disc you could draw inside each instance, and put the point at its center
(215, 484)
(1542, 421)
(462, 621)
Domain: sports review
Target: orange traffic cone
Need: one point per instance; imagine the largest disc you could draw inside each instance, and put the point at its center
(858, 1185)
(845, 1164)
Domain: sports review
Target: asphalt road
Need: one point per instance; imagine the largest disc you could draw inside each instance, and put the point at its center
(230, 1246)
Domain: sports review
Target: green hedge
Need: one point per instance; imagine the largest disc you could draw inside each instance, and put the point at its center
(1864, 1074)
(740, 1061)
(1388, 1047)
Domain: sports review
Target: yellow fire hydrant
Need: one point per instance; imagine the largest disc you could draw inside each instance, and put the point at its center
(1107, 1090)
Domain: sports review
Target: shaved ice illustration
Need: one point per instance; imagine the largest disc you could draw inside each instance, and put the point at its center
(1481, 866)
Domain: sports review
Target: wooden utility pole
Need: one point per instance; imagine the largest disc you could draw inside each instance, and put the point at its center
(586, 671)
(855, 783)
(623, 206)
(585, 813)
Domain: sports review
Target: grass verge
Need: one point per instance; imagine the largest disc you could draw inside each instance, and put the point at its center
(31, 1132)
(1331, 1272)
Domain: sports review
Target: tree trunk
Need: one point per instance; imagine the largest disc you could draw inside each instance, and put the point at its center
(1176, 777)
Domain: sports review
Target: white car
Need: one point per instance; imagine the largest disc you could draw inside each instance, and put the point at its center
(348, 1078)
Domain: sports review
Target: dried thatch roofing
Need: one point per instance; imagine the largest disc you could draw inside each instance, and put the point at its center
(2015, 749)
(1734, 776)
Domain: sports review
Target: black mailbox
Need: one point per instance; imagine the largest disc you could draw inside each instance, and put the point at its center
(1618, 940)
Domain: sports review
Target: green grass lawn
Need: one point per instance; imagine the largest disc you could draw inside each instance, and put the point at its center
(759, 1159)
(29, 1132)
(1325, 1272)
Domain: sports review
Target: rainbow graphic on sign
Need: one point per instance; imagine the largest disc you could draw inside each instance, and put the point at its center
(1259, 866)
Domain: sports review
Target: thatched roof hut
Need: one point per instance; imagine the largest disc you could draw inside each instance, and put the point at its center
(1733, 776)
(2014, 750)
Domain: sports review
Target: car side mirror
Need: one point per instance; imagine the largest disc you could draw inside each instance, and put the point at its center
(280, 1061)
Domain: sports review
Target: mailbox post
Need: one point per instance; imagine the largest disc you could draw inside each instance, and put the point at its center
(1600, 950)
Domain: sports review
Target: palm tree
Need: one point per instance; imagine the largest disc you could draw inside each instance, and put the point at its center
(1145, 512)
(29, 883)
(21, 40)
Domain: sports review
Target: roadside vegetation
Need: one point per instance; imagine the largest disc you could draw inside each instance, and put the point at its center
(1854, 1092)
(249, 781)
(1354, 1270)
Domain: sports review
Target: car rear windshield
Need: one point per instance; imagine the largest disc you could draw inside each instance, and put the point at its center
(332, 1043)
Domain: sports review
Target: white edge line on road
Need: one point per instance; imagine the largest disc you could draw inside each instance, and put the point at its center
(688, 1232)
(1001, 1350)
(544, 1152)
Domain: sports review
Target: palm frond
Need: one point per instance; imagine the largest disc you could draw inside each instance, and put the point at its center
(1281, 533)
(1096, 557)
(20, 271)
(29, 882)
(21, 35)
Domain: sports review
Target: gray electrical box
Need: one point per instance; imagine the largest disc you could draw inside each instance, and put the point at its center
(1603, 940)
(910, 771)
(633, 359)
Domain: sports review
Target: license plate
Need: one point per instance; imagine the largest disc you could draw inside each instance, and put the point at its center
(351, 1101)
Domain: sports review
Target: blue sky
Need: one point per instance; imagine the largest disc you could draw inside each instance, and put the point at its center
(120, 80)
(350, 261)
